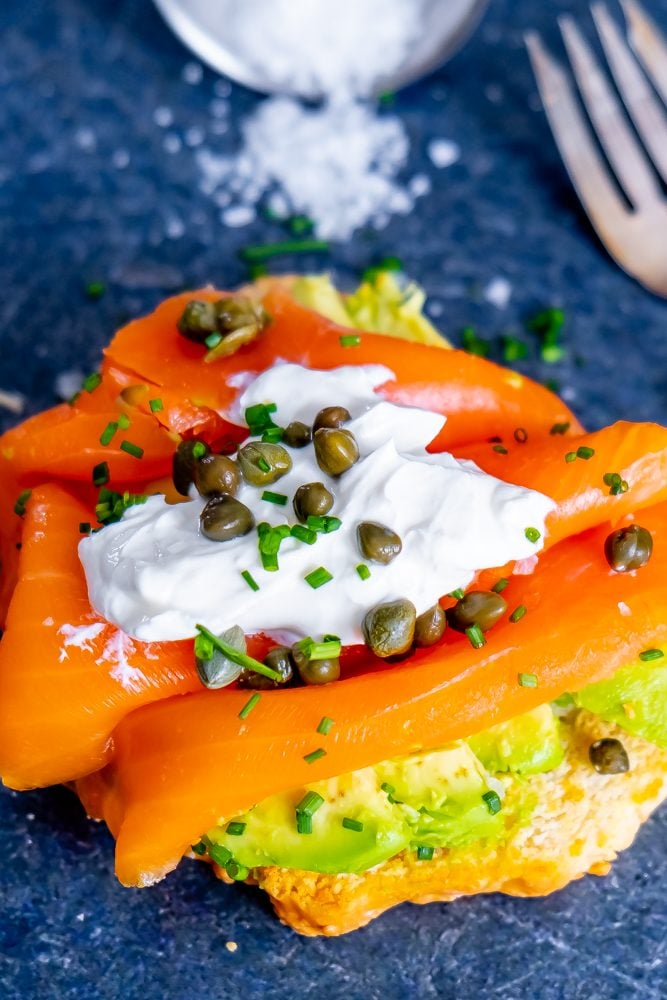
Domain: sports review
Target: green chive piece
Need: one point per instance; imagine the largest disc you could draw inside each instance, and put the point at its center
(585, 452)
(310, 803)
(236, 870)
(528, 680)
(123, 421)
(198, 449)
(156, 405)
(199, 848)
(101, 474)
(272, 435)
(552, 353)
(108, 433)
(249, 705)
(518, 613)
(132, 449)
(500, 585)
(476, 637)
(85, 527)
(532, 534)
(303, 533)
(221, 855)
(95, 290)
(257, 254)
(263, 464)
(300, 224)
(250, 580)
(501, 449)
(21, 501)
(493, 803)
(513, 349)
(424, 853)
(314, 755)
(304, 823)
(325, 650)
(318, 577)
(269, 561)
(278, 498)
(571, 456)
(213, 340)
(236, 829)
(236, 656)
(363, 571)
(349, 340)
(323, 523)
(387, 788)
(472, 343)
(457, 595)
(560, 428)
(352, 824)
(651, 654)
(91, 382)
(325, 725)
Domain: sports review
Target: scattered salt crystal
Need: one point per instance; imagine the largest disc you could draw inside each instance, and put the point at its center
(171, 143)
(219, 108)
(12, 401)
(498, 292)
(174, 227)
(443, 153)
(68, 383)
(569, 394)
(218, 127)
(238, 215)
(192, 73)
(194, 136)
(120, 159)
(222, 88)
(163, 117)
(494, 93)
(85, 139)
(435, 308)
(419, 185)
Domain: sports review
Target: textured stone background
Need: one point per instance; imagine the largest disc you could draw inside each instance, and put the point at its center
(90, 188)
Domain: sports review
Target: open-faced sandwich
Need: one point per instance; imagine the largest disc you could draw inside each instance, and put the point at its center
(348, 614)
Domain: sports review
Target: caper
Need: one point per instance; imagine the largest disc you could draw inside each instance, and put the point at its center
(263, 463)
(198, 321)
(377, 542)
(430, 626)
(315, 671)
(628, 548)
(234, 313)
(184, 462)
(390, 628)
(477, 607)
(336, 450)
(297, 434)
(279, 659)
(224, 518)
(216, 474)
(332, 417)
(312, 499)
(609, 756)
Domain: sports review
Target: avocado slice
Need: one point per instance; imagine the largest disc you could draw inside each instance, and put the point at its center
(528, 744)
(635, 698)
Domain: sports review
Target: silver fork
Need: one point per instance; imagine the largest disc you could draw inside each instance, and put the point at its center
(635, 236)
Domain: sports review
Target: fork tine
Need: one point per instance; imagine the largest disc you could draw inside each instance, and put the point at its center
(649, 118)
(648, 43)
(582, 160)
(623, 151)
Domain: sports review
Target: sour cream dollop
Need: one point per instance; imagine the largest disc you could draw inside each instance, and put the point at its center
(156, 576)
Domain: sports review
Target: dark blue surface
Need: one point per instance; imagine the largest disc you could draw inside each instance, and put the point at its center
(87, 191)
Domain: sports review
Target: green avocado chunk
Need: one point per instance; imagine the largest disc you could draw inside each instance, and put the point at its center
(528, 744)
(635, 698)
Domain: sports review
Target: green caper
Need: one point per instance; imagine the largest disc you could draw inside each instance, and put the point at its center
(609, 756)
(297, 434)
(477, 607)
(377, 542)
(430, 626)
(236, 312)
(279, 659)
(263, 463)
(389, 629)
(312, 499)
(216, 474)
(198, 321)
(224, 518)
(315, 671)
(332, 417)
(185, 459)
(336, 450)
(628, 548)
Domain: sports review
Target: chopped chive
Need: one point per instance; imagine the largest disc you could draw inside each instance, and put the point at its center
(249, 705)
(476, 637)
(560, 428)
(651, 654)
(95, 290)
(520, 435)
(303, 533)
(518, 613)
(262, 464)
(108, 433)
(571, 456)
(272, 435)
(349, 340)
(493, 803)
(513, 348)
(387, 788)
(85, 527)
(314, 755)
(221, 855)
(236, 870)
(498, 587)
(250, 580)
(457, 595)
(278, 498)
(330, 638)
(501, 449)
(552, 353)
(91, 382)
(352, 824)
(318, 577)
(532, 534)
(310, 803)
(213, 340)
(325, 725)
(199, 848)
(472, 343)
(100, 474)
(123, 421)
(236, 656)
(304, 823)
(265, 251)
(132, 449)
(424, 853)
(269, 561)
(528, 680)
(325, 650)
(236, 829)
(21, 501)
(363, 571)
(585, 452)
(300, 224)
(198, 449)
(323, 523)
(156, 405)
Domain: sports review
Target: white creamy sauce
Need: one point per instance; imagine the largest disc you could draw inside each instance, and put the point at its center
(156, 576)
